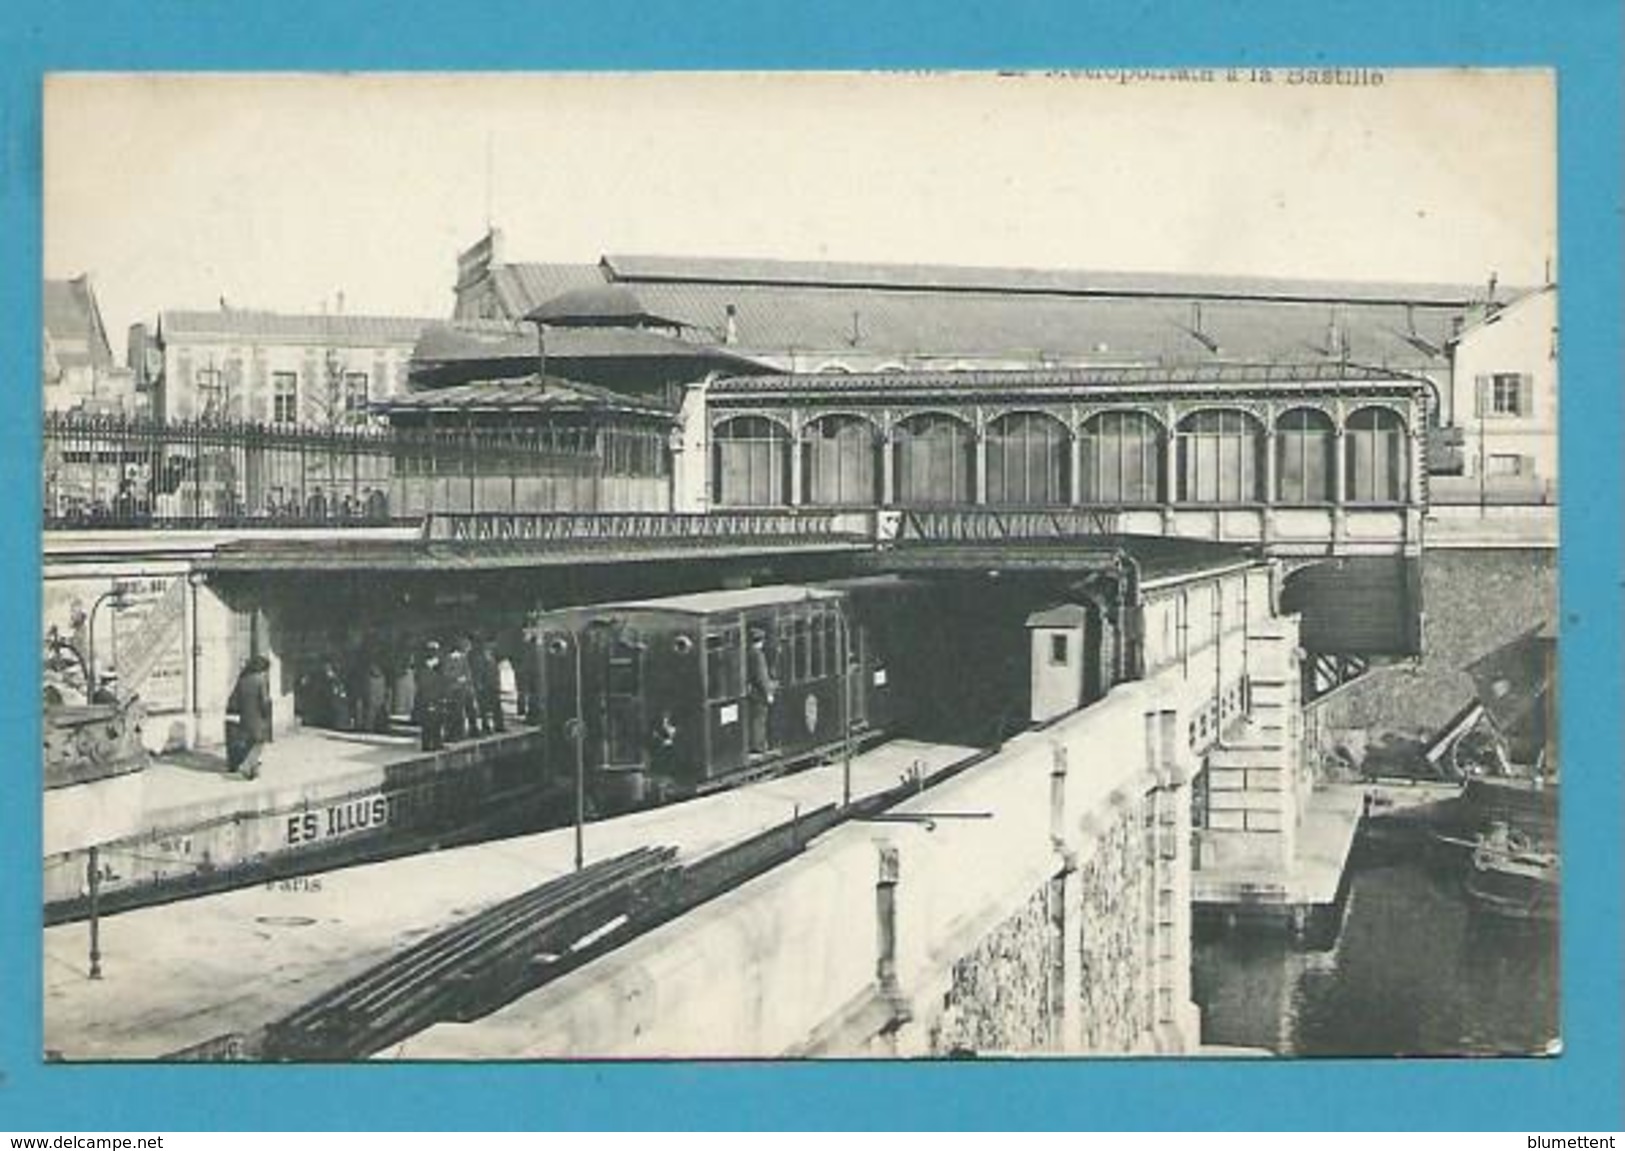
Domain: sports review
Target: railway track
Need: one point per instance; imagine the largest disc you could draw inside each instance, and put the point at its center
(488, 959)
(514, 947)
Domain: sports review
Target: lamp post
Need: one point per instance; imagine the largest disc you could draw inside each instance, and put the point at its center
(575, 729)
(93, 875)
(120, 601)
(846, 705)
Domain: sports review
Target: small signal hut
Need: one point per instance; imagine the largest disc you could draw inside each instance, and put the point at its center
(1057, 641)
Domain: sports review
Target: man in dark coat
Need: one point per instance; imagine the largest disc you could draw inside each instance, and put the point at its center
(431, 699)
(663, 763)
(374, 700)
(462, 714)
(527, 666)
(761, 688)
(250, 704)
(487, 673)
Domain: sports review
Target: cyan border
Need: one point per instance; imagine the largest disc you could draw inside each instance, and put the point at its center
(1581, 38)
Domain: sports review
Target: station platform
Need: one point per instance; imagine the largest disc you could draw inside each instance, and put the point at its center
(318, 795)
(184, 973)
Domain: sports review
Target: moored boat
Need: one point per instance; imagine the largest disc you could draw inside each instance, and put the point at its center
(1511, 876)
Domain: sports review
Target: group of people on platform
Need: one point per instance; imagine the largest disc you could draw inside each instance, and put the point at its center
(459, 692)
(451, 691)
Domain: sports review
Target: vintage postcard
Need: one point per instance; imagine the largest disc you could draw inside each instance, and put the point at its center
(652, 566)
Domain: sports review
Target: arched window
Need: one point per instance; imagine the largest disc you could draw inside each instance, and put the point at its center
(1121, 459)
(1219, 453)
(1375, 465)
(934, 457)
(838, 457)
(1305, 460)
(750, 462)
(1028, 458)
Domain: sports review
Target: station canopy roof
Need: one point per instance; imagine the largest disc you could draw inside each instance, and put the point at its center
(525, 395)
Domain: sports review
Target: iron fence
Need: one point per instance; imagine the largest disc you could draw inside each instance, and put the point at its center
(118, 471)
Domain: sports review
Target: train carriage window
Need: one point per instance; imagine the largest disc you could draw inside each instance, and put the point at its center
(801, 664)
(820, 653)
(793, 651)
(782, 653)
(810, 659)
(724, 670)
(624, 669)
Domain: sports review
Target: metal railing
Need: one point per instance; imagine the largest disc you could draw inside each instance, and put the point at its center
(982, 525)
(639, 527)
(114, 471)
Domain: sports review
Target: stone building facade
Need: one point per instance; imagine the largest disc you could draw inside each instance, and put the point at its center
(278, 369)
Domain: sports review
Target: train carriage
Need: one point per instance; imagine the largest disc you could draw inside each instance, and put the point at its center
(665, 697)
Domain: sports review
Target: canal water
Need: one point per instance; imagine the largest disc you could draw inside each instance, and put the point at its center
(1415, 971)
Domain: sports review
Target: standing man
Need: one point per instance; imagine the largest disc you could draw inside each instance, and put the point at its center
(761, 688)
(375, 699)
(528, 668)
(462, 716)
(250, 703)
(488, 685)
(663, 753)
(431, 699)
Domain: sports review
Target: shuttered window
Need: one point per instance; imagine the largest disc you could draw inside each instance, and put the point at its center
(1507, 395)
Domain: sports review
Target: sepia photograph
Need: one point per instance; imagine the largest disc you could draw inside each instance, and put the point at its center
(816, 565)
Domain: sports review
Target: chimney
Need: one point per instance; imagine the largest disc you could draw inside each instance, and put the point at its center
(730, 328)
(338, 303)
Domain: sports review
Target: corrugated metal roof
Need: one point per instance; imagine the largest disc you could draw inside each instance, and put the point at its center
(726, 270)
(524, 394)
(246, 325)
(523, 286)
(949, 312)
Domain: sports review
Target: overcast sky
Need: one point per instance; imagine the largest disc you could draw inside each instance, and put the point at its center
(280, 191)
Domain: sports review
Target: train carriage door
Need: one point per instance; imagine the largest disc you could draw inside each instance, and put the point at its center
(625, 722)
(725, 689)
